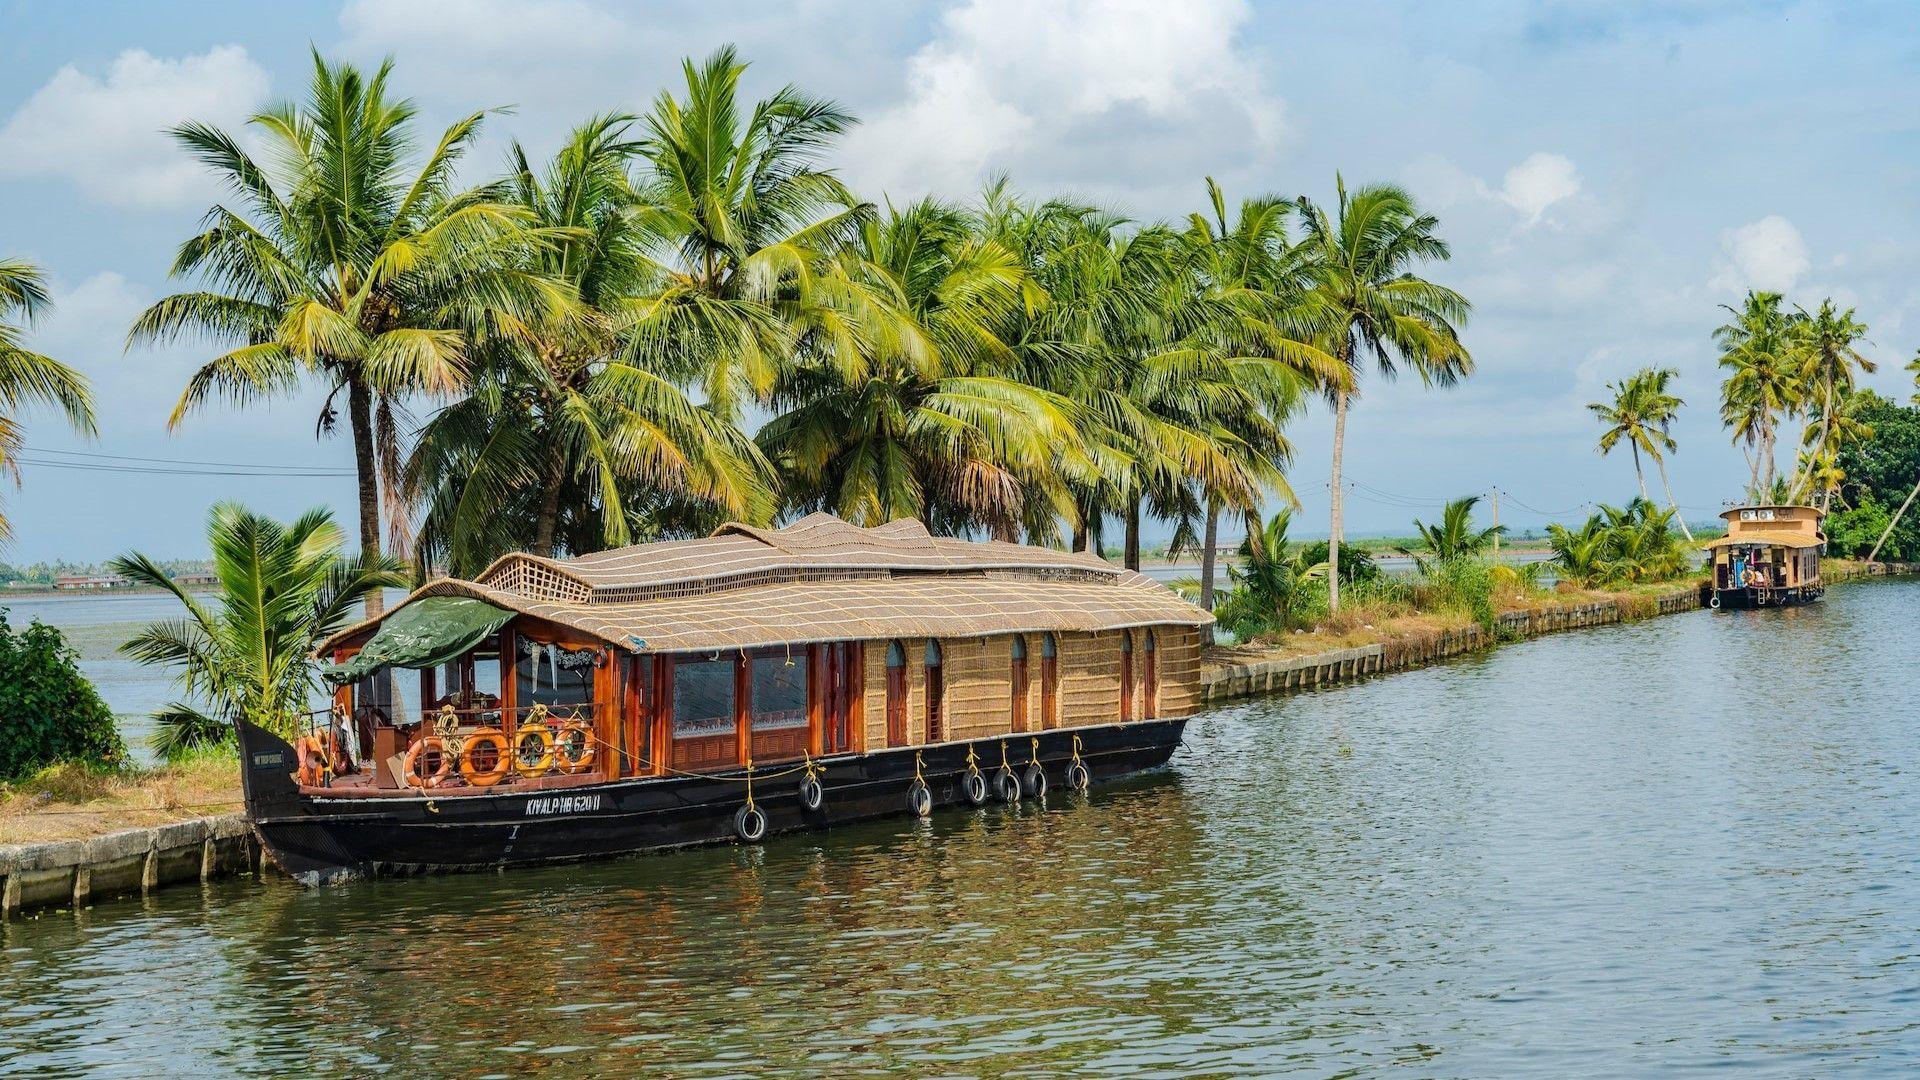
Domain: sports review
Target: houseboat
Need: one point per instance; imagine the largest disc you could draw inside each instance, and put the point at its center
(1770, 555)
(725, 688)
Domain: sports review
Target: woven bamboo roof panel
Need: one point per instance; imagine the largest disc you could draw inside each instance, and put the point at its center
(817, 547)
(818, 579)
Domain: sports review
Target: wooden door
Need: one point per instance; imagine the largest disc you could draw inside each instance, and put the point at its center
(1126, 676)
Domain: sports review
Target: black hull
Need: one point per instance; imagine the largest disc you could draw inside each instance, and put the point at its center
(317, 839)
(1737, 599)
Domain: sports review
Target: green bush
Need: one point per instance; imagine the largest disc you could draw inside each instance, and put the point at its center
(1462, 583)
(1853, 532)
(49, 713)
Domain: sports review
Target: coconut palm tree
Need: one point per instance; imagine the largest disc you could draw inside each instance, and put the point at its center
(27, 377)
(1454, 537)
(1248, 268)
(1830, 359)
(1757, 349)
(563, 423)
(283, 589)
(922, 424)
(1360, 263)
(1641, 413)
(350, 261)
(743, 214)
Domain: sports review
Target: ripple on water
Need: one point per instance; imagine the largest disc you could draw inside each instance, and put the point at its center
(1636, 849)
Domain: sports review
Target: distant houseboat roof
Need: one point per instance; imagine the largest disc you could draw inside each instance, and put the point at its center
(1766, 538)
(818, 579)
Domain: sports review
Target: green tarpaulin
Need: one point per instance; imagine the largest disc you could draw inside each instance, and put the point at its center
(429, 631)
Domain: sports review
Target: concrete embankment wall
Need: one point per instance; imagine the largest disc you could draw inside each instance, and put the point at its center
(74, 873)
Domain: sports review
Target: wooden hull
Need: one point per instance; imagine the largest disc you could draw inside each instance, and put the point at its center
(317, 839)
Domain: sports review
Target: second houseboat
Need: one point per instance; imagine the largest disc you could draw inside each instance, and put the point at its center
(1769, 556)
(704, 690)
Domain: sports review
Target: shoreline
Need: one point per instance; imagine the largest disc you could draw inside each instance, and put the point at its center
(74, 871)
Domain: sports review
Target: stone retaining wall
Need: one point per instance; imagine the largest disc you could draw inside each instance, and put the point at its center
(74, 873)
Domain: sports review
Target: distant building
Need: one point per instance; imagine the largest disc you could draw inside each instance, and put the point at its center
(89, 582)
(198, 577)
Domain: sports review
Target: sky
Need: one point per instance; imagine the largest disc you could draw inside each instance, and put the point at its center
(1606, 173)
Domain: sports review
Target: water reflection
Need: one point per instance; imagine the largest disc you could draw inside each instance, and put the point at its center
(1678, 843)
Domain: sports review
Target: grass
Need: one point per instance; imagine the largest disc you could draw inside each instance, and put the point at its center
(72, 802)
(1396, 616)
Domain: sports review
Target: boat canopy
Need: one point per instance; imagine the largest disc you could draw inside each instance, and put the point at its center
(429, 631)
(1766, 538)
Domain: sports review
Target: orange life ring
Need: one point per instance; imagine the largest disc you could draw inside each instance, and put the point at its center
(533, 750)
(573, 747)
(475, 747)
(313, 759)
(417, 753)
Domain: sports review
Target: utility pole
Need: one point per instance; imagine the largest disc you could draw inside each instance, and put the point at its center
(1496, 523)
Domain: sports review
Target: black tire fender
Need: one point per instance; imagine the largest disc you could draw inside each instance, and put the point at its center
(1006, 785)
(750, 823)
(1033, 783)
(973, 787)
(812, 795)
(1078, 778)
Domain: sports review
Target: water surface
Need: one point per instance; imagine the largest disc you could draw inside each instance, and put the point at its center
(1681, 844)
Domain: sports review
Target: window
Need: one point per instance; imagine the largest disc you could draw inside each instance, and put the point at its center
(703, 698)
(550, 675)
(896, 695)
(1149, 704)
(778, 699)
(1017, 684)
(1126, 675)
(936, 723)
(1049, 682)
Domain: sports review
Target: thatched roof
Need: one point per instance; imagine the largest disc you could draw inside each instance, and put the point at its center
(819, 579)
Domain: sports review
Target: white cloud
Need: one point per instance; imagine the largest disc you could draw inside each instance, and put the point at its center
(108, 135)
(1536, 184)
(1766, 254)
(1070, 89)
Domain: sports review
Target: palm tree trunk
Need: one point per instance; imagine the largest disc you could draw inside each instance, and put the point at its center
(1209, 552)
(1132, 556)
(1668, 488)
(1334, 519)
(1638, 473)
(1897, 514)
(360, 419)
(549, 512)
(1209, 542)
(1767, 465)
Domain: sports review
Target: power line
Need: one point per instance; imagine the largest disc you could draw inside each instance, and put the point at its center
(281, 473)
(251, 465)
